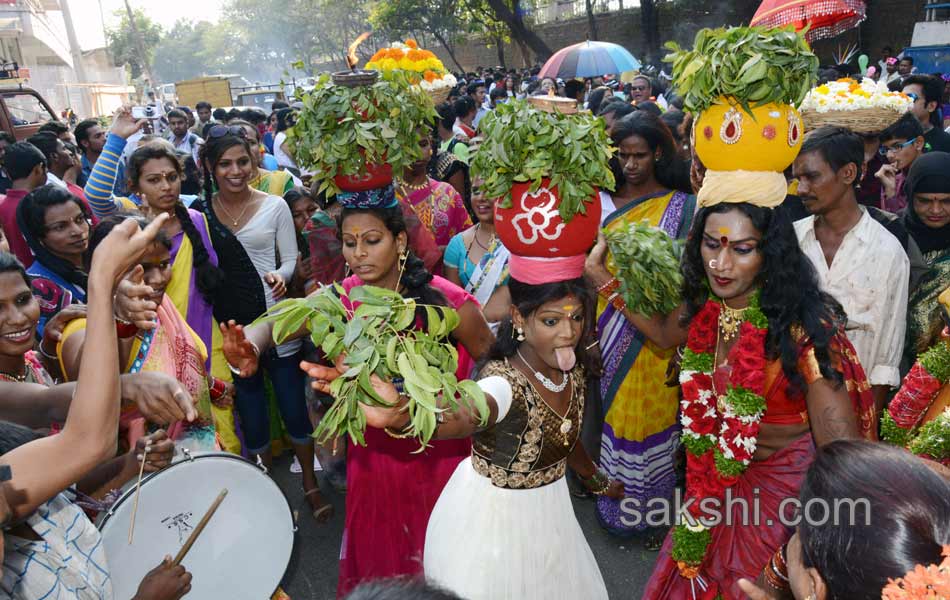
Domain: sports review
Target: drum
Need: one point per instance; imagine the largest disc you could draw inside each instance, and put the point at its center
(243, 551)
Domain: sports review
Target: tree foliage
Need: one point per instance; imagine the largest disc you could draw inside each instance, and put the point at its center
(122, 43)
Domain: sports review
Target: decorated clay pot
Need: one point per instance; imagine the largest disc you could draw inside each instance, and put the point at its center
(532, 225)
(726, 137)
(373, 176)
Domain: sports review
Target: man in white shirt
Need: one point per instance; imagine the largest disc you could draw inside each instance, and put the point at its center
(858, 261)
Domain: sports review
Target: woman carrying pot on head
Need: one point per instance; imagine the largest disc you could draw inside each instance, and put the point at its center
(252, 232)
(640, 430)
(391, 488)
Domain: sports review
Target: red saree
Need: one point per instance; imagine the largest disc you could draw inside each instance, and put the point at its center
(740, 550)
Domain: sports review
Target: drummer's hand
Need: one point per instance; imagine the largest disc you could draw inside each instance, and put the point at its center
(160, 398)
(164, 582)
(238, 350)
(161, 451)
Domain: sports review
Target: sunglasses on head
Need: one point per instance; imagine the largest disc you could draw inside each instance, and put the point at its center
(219, 131)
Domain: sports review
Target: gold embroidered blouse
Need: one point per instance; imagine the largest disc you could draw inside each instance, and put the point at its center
(527, 449)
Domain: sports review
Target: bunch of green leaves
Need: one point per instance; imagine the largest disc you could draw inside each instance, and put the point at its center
(524, 144)
(648, 267)
(754, 65)
(342, 129)
(379, 338)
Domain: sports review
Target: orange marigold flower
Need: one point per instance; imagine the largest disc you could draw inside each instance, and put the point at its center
(428, 54)
(430, 76)
(412, 44)
(415, 55)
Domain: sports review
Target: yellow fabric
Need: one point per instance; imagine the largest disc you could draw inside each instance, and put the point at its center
(643, 404)
(127, 204)
(276, 183)
(760, 188)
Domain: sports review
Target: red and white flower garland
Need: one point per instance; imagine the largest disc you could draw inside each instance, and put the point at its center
(720, 431)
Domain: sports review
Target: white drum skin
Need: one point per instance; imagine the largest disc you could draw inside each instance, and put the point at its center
(243, 551)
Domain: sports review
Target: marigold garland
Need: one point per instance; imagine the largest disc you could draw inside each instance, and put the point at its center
(900, 424)
(720, 432)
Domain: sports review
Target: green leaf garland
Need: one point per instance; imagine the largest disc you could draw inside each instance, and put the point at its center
(696, 361)
(937, 361)
(744, 402)
(690, 546)
(524, 144)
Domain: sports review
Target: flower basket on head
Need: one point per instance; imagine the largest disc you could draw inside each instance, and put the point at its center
(544, 168)
(867, 108)
(421, 68)
(354, 137)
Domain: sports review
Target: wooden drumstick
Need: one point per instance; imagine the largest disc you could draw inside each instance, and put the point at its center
(138, 488)
(201, 525)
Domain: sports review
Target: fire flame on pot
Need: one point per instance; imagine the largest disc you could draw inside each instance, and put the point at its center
(351, 59)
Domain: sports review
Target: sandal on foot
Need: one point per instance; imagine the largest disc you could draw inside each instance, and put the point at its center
(322, 513)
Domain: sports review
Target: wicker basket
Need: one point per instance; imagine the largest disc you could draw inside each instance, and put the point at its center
(355, 78)
(554, 104)
(863, 120)
(440, 95)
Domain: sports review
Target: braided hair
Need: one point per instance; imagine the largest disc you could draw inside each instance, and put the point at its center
(31, 220)
(208, 277)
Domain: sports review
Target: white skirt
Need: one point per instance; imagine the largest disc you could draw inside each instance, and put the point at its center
(485, 542)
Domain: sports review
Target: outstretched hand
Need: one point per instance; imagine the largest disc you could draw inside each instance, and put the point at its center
(238, 350)
(394, 416)
(124, 124)
(132, 300)
(159, 397)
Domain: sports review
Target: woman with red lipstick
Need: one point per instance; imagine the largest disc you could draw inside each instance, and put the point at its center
(927, 219)
(640, 432)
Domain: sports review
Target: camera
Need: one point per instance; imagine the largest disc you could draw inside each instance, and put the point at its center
(143, 112)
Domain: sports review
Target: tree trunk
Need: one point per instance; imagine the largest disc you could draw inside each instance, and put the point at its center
(520, 31)
(500, 46)
(140, 46)
(650, 24)
(448, 48)
(591, 21)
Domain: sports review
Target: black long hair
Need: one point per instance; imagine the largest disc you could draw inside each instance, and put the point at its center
(105, 226)
(208, 277)
(31, 219)
(212, 151)
(529, 298)
(901, 517)
(790, 294)
(415, 277)
(657, 135)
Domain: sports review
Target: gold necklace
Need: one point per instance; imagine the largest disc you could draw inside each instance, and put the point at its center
(234, 222)
(730, 320)
(414, 187)
(566, 424)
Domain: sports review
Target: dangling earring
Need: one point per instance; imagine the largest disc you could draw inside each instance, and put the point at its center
(520, 331)
(403, 257)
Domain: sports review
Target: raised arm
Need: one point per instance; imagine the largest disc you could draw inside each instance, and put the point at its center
(45, 467)
(101, 180)
(663, 330)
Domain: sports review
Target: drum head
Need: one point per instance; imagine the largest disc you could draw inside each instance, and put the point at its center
(242, 552)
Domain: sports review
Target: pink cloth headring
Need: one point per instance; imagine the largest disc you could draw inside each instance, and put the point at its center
(536, 271)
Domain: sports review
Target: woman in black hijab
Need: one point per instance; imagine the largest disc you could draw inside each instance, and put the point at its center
(927, 219)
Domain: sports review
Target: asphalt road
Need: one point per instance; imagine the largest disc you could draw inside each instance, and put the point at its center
(312, 575)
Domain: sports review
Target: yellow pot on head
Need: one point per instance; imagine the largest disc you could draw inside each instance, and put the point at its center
(727, 138)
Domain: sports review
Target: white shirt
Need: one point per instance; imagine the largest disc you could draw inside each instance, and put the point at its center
(283, 159)
(54, 180)
(869, 276)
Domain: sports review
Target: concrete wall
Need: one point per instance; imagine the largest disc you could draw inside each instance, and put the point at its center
(890, 22)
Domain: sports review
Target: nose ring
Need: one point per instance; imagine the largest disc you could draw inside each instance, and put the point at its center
(713, 263)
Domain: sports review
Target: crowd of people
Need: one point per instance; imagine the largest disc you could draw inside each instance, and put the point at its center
(139, 252)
